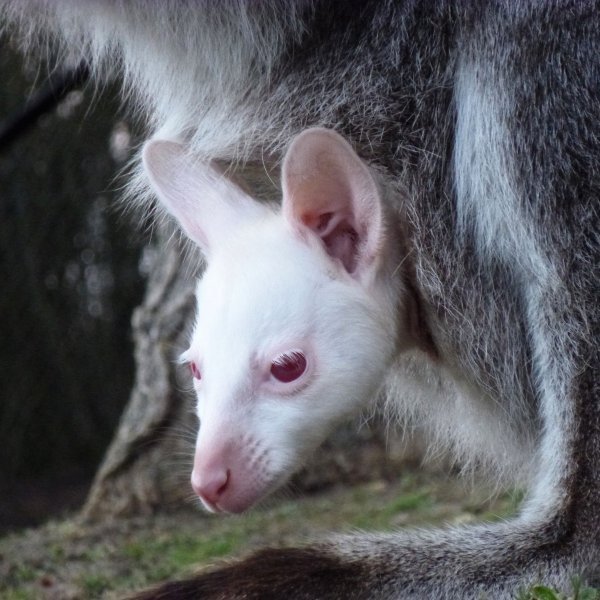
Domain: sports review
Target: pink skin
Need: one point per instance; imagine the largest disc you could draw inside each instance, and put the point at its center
(195, 370)
(233, 475)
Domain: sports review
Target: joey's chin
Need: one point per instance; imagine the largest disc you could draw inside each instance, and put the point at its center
(209, 506)
(236, 501)
(225, 506)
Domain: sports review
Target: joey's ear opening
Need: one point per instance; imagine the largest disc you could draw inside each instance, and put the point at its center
(206, 204)
(328, 190)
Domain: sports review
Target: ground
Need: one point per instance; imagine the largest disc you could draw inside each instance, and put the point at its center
(69, 559)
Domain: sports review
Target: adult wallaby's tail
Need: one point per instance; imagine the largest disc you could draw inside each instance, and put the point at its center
(312, 574)
(497, 562)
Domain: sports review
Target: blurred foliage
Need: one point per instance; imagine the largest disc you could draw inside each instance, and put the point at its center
(69, 267)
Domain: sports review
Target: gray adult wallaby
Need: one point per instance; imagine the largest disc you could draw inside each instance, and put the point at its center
(477, 125)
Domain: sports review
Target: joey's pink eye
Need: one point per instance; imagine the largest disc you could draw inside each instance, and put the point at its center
(289, 366)
(195, 370)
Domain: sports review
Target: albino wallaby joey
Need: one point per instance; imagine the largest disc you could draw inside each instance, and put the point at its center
(299, 314)
(457, 259)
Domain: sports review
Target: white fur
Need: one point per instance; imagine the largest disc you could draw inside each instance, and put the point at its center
(176, 95)
(458, 419)
(488, 201)
(273, 285)
(488, 206)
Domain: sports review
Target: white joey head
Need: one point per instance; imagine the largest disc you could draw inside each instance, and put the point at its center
(295, 327)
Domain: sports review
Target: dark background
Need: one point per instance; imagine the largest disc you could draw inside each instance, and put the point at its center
(71, 272)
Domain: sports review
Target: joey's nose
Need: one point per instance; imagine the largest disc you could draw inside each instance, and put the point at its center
(210, 484)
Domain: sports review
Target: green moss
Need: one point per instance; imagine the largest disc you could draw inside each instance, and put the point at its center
(17, 594)
(542, 592)
(169, 555)
(385, 517)
(190, 551)
(95, 584)
(25, 573)
(409, 502)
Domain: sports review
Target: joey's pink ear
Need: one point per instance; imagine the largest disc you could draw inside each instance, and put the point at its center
(329, 190)
(205, 203)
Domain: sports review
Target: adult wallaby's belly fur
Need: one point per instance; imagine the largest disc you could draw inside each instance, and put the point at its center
(481, 124)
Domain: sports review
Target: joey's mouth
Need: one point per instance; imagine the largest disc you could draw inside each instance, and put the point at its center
(234, 506)
(233, 475)
(238, 499)
(211, 507)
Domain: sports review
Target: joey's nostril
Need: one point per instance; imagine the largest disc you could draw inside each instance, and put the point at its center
(223, 487)
(211, 484)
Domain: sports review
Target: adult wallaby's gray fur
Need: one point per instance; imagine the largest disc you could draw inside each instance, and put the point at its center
(483, 120)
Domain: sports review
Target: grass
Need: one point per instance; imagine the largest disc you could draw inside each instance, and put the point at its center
(70, 559)
(579, 592)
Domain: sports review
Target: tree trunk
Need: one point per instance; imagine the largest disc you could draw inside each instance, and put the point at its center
(140, 470)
